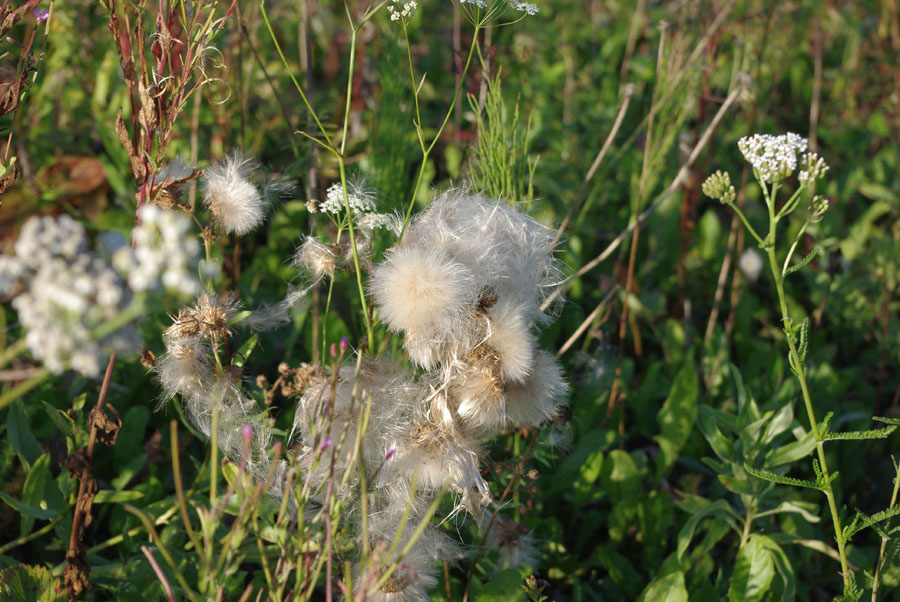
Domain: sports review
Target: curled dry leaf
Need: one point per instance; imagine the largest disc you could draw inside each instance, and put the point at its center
(107, 427)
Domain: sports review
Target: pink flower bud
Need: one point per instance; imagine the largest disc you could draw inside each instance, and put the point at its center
(390, 454)
(328, 442)
(344, 344)
(247, 431)
(333, 350)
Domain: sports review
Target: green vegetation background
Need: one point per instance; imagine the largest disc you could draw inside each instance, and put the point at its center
(610, 509)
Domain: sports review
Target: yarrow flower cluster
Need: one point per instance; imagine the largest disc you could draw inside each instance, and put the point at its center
(718, 186)
(165, 255)
(524, 7)
(773, 157)
(362, 204)
(812, 167)
(66, 294)
(401, 11)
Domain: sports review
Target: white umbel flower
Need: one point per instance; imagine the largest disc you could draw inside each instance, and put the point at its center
(231, 195)
(774, 157)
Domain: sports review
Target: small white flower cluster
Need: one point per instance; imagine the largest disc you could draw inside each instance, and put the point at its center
(718, 186)
(67, 293)
(165, 255)
(362, 204)
(523, 7)
(774, 157)
(812, 167)
(403, 11)
(230, 193)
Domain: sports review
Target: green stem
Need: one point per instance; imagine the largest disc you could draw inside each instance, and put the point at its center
(440, 130)
(807, 400)
(883, 541)
(747, 224)
(354, 33)
(23, 387)
(309, 108)
(370, 332)
(33, 535)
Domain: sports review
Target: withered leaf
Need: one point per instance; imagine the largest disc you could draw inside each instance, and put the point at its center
(107, 427)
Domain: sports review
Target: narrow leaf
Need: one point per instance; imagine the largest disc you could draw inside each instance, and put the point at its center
(803, 262)
(869, 434)
(781, 480)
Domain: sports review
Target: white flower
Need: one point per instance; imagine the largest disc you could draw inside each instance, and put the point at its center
(402, 10)
(813, 167)
(523, 7)
(68, 294)
(371, 221)
(231, 196)
(359, 200)
(165, 255)
(774, 157)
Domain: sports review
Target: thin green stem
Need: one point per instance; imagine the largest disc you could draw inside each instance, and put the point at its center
(747, 224)
(745, 535)
(13, 351)
(353, 36)
(787, 260)
(370, 332)
(807, 400)
(23, 387)
(309, 108)
(33, 535)
(214, 456)
(883, 541)
(427, 151)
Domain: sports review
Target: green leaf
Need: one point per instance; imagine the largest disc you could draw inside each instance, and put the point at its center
(719, 508)
(803, 262)
(869, 434)
(667, 588)
(63, 421)
(862, 521)
(676, 418)
(25, 444)
(40, 491)
(781, 480)
(25, 508)
(779, 423)
(505, 586)
(708, 425)
(246, 349)
(23, 583)
(109, 496)
(894, 421)
(754, 570)
(783, 564)
(790, 452)
(805, 509)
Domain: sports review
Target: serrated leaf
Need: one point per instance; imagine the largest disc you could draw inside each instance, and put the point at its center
(804, 341)
(803, 262)
(869, 434)
(894, 421)
(754, 570)
(781, 480)
(863, 521)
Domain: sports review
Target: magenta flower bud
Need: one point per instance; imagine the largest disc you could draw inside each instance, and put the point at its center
(277, 447)
(247, 431)
(344, 343)
(390, 454)
(333, 350)
(328, 442)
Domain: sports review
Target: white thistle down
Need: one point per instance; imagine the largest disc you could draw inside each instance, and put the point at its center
(231, 195)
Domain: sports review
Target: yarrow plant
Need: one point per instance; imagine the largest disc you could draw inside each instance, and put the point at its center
(774, 159)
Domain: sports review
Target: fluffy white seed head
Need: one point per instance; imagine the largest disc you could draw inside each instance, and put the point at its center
(231, 195)
(318, 258)
(513, 542)
(510, 337)
(537, 398)
(425, 294)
